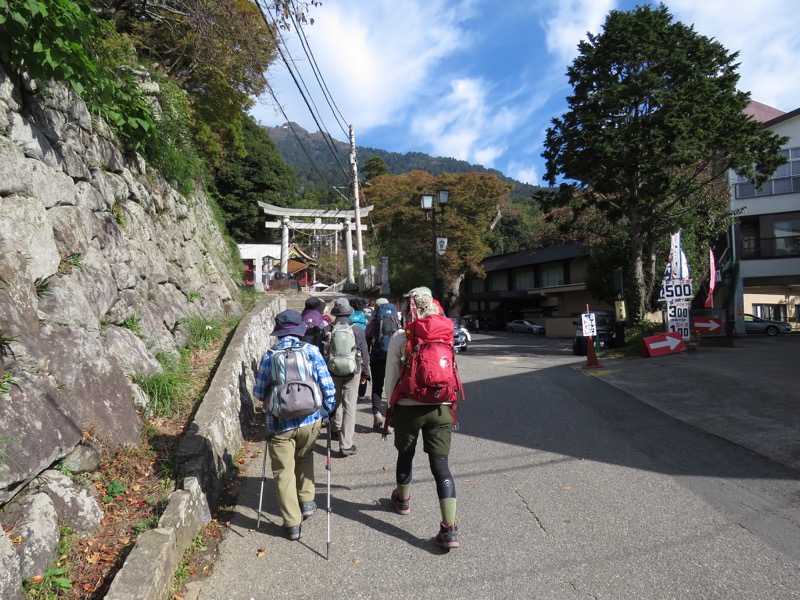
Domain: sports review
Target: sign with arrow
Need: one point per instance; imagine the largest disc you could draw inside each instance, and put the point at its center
(708, 325)
(667, 343)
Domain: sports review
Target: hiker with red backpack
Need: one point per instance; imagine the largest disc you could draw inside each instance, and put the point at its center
(422, 374)
(347, 358)
(293, 419)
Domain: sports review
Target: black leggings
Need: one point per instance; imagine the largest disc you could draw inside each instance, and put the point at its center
(445, 486)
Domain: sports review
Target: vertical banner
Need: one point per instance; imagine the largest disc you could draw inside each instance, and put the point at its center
(712, 279)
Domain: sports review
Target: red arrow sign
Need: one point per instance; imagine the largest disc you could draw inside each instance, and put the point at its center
(708, 325)
(667, 343)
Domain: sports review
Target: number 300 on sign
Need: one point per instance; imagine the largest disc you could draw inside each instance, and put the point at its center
(677, 311)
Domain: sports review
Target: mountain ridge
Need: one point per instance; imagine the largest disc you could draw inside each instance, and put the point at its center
(315, 164)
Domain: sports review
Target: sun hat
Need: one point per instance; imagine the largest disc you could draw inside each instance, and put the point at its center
(380, 301)
(288, 322)
(423, 298)
(315, 304)
(342, 308)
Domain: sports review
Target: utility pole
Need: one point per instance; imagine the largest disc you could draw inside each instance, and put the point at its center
(359, 246)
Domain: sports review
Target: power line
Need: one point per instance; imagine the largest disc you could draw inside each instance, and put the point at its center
(320, 79)
(325, 135)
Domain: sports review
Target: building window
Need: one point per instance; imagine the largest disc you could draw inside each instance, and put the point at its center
(523, 280)
(785, 180)
(771, 312)
(551, 275)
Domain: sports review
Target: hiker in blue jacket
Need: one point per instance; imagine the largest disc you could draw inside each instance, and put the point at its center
(291, 440)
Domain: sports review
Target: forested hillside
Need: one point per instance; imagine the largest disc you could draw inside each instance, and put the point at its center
(298, 147)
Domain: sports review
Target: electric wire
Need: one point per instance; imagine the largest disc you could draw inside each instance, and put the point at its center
(274, 96)
(318, 74)
(325, 135)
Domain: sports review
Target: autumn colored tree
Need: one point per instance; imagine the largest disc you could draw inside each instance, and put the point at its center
(654, 122)
(477, 201)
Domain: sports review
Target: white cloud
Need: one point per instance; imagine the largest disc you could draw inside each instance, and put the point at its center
(764, 33)
(570, 23)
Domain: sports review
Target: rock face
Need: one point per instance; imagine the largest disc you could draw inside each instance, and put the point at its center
(92, 242)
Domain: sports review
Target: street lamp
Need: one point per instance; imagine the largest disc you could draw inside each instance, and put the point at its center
(426, 202)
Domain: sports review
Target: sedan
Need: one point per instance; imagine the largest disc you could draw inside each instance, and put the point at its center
(754, 324)
(523, 326)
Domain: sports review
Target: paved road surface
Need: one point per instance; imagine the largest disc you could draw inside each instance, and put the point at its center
(572, 483)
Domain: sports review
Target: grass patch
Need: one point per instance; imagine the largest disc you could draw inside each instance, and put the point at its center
(133, 325)
(167, 390)
(203, 331)
(634, 335)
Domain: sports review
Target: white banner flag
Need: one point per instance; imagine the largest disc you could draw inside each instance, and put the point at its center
(441, 245)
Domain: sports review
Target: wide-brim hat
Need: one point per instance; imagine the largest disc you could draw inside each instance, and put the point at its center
(423, 298)
(289, 322)
(315, 304)
(380, 301)
(342, 308)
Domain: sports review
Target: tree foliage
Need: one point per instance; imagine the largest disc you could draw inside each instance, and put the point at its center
(63, 40)
(653, 123)
(217, 52)
(258, 176)
(477, 201)
(375, 167)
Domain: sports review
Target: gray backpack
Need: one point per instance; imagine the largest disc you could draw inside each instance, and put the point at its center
(342, 350)
(294, 391)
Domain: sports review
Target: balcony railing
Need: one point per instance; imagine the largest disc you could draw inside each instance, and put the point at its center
(781, 247)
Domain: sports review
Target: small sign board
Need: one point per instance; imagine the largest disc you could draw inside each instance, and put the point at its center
(678, 317)
(668, 343)
(709, 322)
(589, 324)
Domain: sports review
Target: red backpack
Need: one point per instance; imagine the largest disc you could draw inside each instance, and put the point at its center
(429, 373)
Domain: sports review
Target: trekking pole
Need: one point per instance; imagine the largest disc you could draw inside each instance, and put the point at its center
(263, 477)
(328, 469)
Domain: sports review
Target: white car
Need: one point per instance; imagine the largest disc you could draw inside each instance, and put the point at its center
(523, 326)
(461, 336)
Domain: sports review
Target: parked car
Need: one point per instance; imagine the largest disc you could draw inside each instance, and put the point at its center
(754, 324)
(606, 324)
(461, 335)
(523, 326)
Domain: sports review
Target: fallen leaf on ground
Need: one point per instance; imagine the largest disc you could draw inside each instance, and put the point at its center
(260, 552)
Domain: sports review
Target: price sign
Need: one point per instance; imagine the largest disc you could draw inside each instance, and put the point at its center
(589, 324)
(676, 289)
(678, 318)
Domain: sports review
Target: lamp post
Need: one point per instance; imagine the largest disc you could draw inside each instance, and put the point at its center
(426, 202)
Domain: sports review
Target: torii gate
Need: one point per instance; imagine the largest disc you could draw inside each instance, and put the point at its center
(346, 220)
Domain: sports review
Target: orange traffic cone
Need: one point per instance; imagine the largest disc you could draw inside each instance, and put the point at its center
(591, 355)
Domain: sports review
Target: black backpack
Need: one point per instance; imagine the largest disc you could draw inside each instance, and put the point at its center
(386, 322)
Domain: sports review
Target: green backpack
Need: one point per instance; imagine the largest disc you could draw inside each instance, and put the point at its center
(341, 355)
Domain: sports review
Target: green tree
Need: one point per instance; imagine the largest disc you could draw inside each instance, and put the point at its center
(477, 201)
(244, 181)
(375, 167)
(654, 121)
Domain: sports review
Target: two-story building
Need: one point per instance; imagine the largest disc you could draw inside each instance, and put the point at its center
(767, 230)
(547, 286)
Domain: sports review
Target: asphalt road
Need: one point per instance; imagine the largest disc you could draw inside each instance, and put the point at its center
(568, 487)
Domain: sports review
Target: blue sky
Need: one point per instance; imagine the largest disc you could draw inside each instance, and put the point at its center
(480, 80)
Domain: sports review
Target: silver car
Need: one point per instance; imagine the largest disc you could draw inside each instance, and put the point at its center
(461, 336)
(754, 324)
(523, 326)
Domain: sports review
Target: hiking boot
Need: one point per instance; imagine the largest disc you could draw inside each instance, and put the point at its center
(308, 508)
(402, 506)
(448, 536)
(377, 421)
(348, 451)
(293, 533)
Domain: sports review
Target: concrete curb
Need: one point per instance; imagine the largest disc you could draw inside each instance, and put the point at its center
(206, 458)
